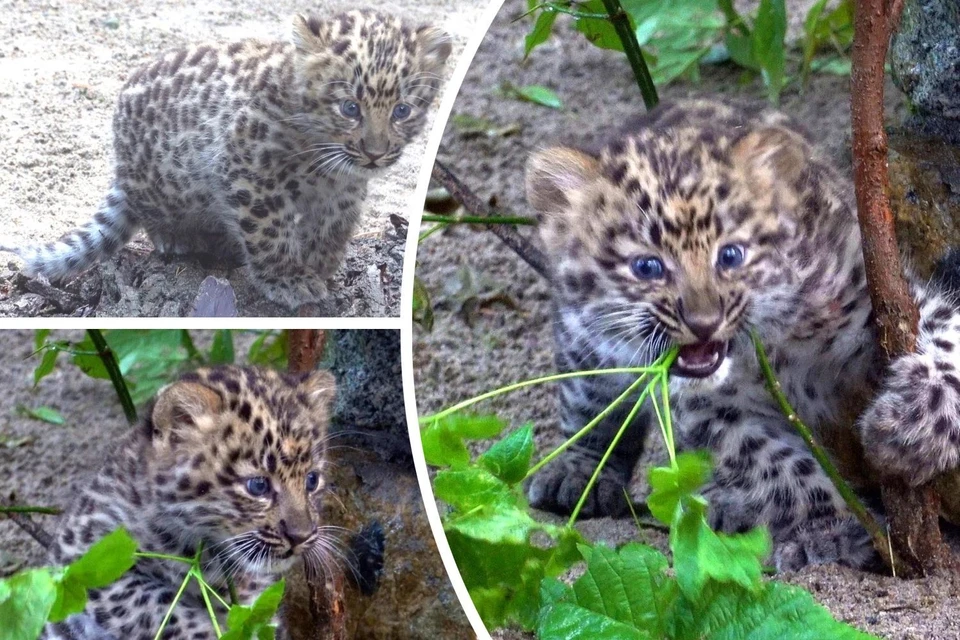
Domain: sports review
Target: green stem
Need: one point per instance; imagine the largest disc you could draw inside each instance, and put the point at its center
(206, 600)
(468, 219)
(528, 383)
(550, 7)
(621, 24)
(232, 588)
(176, 599)
(853, 502)
(49, 511)
(162, 556)
(113, 370)
(609, 452)
(432, 230)
(586, 428)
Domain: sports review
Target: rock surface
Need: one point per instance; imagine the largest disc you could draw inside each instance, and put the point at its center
(925, 56)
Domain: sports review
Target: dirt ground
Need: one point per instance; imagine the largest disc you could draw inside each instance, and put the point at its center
(492, 324)
(43, 464)
(62, 64)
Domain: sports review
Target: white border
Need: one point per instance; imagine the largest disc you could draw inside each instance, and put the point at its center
(406, 316)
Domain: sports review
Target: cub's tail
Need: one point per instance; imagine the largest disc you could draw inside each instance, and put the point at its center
(81, 248)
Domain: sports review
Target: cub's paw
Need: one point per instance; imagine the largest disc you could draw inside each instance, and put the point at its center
(912, 428)
(294, 291)
(558, 487)
(832, 540)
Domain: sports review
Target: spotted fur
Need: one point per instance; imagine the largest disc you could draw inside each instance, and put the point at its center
(247, 152)
(180, 480)
(681, 184)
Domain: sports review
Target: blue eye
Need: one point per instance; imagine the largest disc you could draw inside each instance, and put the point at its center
(350, 109)
(647, 267)
(258, 487)
(313, 481)
(730, 256)
(401, 111)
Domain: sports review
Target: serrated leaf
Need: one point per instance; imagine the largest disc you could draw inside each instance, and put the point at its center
(255, 621)
(509, 459)
(473, 487)
(25, 602)
(44, 414)
(442, 439)
(221, 351)
(726, 612)
(670, 484)
(46, 366)
(102, 564)
(542, 28)
(700, 554)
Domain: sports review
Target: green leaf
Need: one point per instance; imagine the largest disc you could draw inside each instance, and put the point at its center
(254, 621)
(622, 594)
(40, 337)
(101, 565)
(670, 484)
(269, 349)
(726, 612)
(25, 602)
(767, 45)
(221, 352)
(535, 93)
(44, 414)
(540, 32)
(442, 439)
(600, 32)
(47, 363)
(509, 459)
(422, 306)
(472, 488)
(700, 554)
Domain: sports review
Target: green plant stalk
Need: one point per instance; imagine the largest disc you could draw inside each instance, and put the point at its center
(49, 511)
(432, 230)
(468, 219)
(609, 452)
(176, 599)
(587, 427)
(206, 600)
(529, 383)
(162, 556)
(853, 502)
(210, 588)
(551, 7)
(621, 23)
(113, 370)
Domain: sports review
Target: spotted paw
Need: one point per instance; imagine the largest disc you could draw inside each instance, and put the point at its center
(831, 540)
(559, 486)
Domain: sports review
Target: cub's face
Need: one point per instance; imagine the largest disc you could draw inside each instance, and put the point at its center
(238, 457)
(368, 82)
(670, 237)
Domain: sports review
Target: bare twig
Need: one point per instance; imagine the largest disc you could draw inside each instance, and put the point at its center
(305, 346)
(46, 511)
(507, 234)
(113, 370)
(913, 513)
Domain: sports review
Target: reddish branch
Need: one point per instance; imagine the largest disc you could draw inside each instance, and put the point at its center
(305, 347)
(913, 514)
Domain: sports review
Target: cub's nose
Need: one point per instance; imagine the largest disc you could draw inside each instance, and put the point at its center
(295, 534)
(373, 156)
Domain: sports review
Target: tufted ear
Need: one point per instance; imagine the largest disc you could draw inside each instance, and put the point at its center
(553, 174)
(434, 45)
(310, 33)
(183, 408)
(772, 155)
(321, 389)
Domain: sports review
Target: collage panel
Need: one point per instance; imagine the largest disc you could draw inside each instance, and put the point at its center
(224, 461)
(217, 158)
(648, 353)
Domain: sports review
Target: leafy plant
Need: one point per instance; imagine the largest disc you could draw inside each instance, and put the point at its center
(511, 563)
(31, 598)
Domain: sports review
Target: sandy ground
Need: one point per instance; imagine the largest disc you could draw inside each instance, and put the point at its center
(62, 63)
(492, 310)
(43, 464)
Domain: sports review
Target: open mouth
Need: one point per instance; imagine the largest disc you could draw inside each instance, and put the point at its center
(699, 360)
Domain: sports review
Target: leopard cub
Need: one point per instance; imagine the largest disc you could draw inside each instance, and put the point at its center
(229, 459)
(703, 222)
(258, 153)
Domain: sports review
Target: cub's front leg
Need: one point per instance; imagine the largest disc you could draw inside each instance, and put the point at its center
(912, 427)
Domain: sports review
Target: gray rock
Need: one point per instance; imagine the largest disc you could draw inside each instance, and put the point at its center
(925, 56)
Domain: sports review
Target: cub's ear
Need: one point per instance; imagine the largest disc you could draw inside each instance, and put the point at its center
(183, 408)
(772, 155)
(310, 33)
(320, 388)
(553, 174)
(434, 46)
